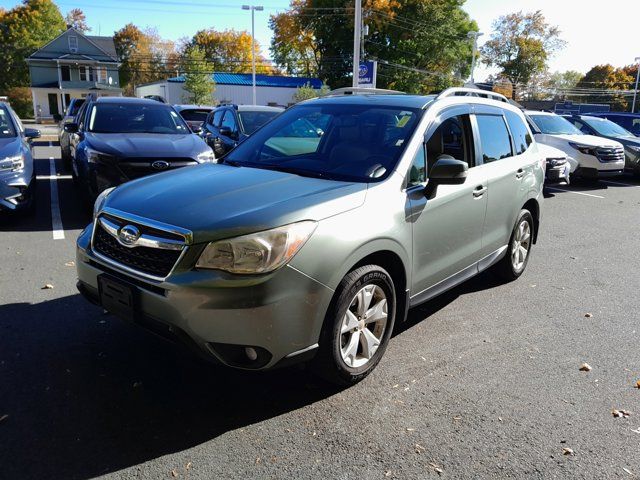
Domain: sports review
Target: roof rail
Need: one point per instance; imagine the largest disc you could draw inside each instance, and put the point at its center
(473, 92)
(361, 90)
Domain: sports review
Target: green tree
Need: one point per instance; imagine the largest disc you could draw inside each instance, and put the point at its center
(198, 73)
(307, 92)
(421, 45)
(23, 30)
(76, 18)
(611, 81)
(521, 45)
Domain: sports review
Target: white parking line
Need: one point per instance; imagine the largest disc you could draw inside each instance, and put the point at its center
(619, 183)
(56, 221)
(573, 191)
(57, 177)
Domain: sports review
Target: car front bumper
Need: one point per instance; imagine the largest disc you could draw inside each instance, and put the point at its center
(279, 315)
(558, 173)
(16, 190)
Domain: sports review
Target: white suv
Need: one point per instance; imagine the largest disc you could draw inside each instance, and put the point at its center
(588, 155)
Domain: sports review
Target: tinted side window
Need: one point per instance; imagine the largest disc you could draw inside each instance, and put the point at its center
(229, 121)
(217, 116)
(451, 139)
(583, 128)
(494, 138)
(519, 131)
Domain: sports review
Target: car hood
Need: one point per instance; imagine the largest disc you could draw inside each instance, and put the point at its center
(216, 201)
(589, 140)
(147, 145)
(9, 147)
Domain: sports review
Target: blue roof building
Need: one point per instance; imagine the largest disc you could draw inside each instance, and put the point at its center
(234, 88)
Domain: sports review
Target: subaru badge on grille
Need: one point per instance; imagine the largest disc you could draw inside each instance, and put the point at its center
(128, 235)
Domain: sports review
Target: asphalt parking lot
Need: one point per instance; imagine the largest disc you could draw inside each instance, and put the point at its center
(483, 382)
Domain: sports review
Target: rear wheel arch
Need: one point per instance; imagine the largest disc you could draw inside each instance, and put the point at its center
(534, 207)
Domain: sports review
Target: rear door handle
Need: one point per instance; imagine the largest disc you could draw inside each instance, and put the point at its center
(479, 191)
(520, 173)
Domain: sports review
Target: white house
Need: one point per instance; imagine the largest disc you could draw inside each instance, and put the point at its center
(234, 88)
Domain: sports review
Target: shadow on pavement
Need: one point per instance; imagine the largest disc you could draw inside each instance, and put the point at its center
(87, 394)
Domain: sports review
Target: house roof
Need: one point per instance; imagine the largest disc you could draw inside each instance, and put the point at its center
(226, 78)
(104, 44)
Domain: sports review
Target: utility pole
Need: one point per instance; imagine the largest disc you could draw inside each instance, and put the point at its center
(357, 36)
(474, 36)
(253, 9)
(635, 92)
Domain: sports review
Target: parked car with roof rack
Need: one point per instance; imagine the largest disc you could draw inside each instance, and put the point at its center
(588, 155)
(118, 139)
(300, 247)
(194, 115)
(601, 127)
(230, 124)
(17, 174)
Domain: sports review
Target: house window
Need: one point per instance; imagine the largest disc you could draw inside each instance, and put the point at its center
(87, 74)
(65, 73)
(73, 43)
(101, 74)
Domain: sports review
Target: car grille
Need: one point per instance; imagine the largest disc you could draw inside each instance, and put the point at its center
(157, 262)
(140, 167)
(610, 154)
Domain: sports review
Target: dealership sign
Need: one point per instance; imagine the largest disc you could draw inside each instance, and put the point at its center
(367, 74)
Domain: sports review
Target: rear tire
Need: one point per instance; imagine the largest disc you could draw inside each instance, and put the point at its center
(513, 264)
(357, 326)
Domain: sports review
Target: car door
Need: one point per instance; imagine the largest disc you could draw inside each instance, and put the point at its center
(76, 138)
(228, 142)
(507, 166)
(447, 224)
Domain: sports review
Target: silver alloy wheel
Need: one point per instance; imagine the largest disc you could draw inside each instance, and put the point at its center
(363, 326)
(521, 245)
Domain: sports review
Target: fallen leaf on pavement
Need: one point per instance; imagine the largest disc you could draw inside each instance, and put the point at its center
(70, 264)
(585, 367)
(411, 429)
(567, 451)
(588, 315)
(638, 384)
(627, 470)
(47, 286)
(174, 473)
(419, 448)
(188, 466)
(620, 413)
(387, 473)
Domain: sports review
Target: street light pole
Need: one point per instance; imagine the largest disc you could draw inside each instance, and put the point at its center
(635, 92)
(253, 9)
(475, 36)
(357, 26)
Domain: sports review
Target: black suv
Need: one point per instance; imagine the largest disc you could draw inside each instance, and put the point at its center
(117, 139)
(228, 125)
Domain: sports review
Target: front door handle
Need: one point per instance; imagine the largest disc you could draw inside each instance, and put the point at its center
(519, 173)
(479, 191)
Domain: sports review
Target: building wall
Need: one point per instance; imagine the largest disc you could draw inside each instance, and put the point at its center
(174, 93)
(43, 72)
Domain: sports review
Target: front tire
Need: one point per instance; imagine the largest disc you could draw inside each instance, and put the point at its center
(516, 259)
(358, 326)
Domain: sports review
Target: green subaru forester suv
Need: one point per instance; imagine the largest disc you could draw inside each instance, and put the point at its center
(313, 237)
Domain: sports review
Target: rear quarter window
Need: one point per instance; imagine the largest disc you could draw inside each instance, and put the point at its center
(494, 138)
(519, 131)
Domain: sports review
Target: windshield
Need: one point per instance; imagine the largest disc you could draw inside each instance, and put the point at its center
(555, 125)
(251, 121)
(607, 128)
(360, 143)
(7, 130)
(195, 115)
(75, 107)
(135, 118)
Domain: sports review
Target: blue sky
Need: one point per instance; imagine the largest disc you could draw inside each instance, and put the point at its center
(595, 33)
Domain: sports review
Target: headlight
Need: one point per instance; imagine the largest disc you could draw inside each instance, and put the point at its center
(94, 156)
(206, 157)
(260, 252)
(15, 164)
(586, 149)
(100, 201)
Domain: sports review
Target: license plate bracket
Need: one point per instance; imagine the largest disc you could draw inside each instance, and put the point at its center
(117, 297)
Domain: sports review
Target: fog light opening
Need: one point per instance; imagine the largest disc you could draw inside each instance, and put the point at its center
(251, 353)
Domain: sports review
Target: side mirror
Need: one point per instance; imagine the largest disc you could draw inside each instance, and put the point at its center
(226, 131)
(448, 171)
(31, 133)
(71, 127)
